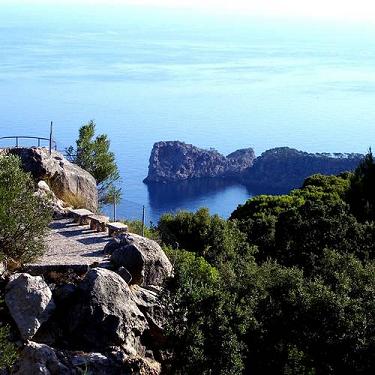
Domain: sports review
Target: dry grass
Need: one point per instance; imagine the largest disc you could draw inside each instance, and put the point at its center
(74, 200)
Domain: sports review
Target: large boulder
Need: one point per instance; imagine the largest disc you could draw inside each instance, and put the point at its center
(65, 178)
(142, 366)
(147, 300)
(150, 304)
(104, 314)
(143, 258)
(39, 359)
(177, 161)
(30, 303)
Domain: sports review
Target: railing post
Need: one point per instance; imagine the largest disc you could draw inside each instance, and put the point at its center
(16, 142)
(114, 210)
(38, 142)
(143, 221)
(50, 138)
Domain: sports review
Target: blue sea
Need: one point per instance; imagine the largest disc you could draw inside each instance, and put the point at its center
(146, 75)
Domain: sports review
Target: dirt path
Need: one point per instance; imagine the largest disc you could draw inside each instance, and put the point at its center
(70, 244)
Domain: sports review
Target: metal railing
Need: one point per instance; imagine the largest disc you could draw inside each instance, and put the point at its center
(51, 143)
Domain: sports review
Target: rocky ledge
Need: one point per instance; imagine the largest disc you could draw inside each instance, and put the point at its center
(177, 161)
(280, 168)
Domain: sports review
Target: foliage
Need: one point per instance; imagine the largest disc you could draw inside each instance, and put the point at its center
(94, 155)
(362, 186)
(24, 217)
(135, 226)
(326, 320)
(216, 239)
(328, 185)
(199, 328)
(286, 286)
(8, 351)
(113, 195)
(296, 228)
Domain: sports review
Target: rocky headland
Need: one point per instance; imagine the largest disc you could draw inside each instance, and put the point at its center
(178, 161)
(280, 168)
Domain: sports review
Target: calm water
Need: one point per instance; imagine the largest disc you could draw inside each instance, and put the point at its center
(146, 76)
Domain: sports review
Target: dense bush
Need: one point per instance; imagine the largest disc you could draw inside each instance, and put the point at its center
(286, 286)
(201, 332)
(361, 194)
(8, 351)
(23, 216)
(216, 239)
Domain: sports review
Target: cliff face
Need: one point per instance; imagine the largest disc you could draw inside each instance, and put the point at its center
(280, 168)
(285, 168)
(177, 161)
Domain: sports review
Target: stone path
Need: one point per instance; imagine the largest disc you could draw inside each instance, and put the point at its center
(70, 245)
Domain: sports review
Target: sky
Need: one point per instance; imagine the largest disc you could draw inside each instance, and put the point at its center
(343, 10)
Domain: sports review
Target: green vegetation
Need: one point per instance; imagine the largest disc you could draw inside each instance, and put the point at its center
(8, 351)
(135, 226)
(93, 155)
(23, 216)
(285, 286)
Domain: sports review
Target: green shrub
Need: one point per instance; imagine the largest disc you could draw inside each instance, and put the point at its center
(212, 237)
(135, 226)
(24, 217)
(361, 196)
(8, 351)
(202, 337)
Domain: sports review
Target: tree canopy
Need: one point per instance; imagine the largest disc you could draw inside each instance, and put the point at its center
(285, 286)
(93, 154)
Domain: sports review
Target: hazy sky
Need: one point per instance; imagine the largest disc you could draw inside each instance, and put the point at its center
(351, 10)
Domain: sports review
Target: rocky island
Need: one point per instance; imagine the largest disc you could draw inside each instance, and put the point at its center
(178, 161)
(280, 168)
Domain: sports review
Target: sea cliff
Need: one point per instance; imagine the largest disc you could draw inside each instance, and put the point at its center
(178, 161)
(280, 168)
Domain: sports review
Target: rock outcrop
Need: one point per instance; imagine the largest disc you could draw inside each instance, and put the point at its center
(39, 359)
(98, 324)
(143, 258)
(276, 170)
(64, 178)
(176, 161)
(30, 303)
(105, 314)
(285, 168)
